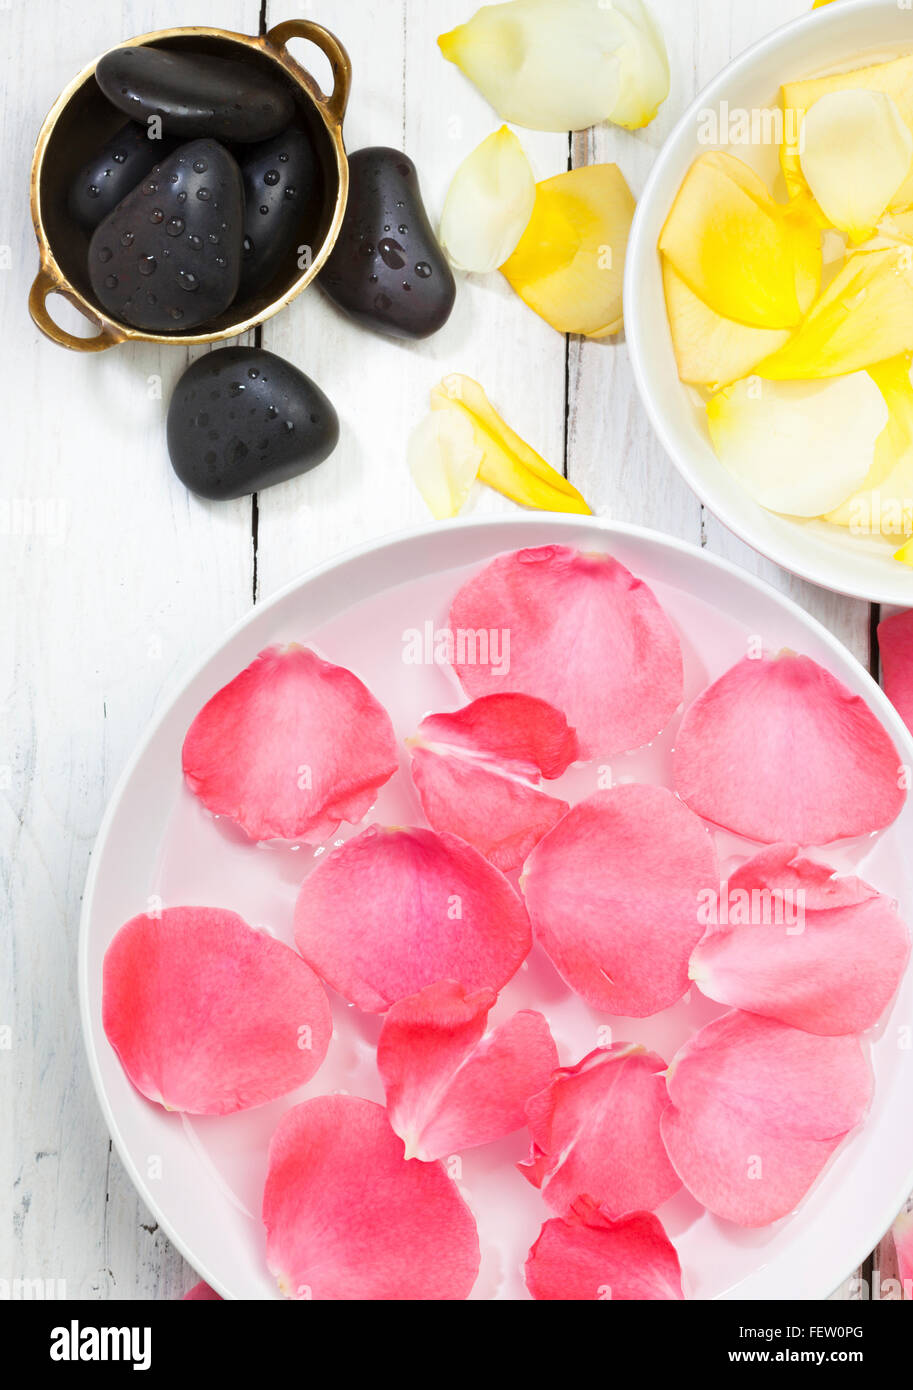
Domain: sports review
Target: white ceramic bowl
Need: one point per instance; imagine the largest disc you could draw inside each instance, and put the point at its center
(202, 1177)
(839, 35)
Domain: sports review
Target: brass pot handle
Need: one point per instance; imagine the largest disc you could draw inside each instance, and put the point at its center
(335, 103)
(46, 282)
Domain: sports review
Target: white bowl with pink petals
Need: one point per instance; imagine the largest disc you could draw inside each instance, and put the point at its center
(775, 1153)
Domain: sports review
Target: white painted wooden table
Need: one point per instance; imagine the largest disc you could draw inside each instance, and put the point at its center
(122, 578)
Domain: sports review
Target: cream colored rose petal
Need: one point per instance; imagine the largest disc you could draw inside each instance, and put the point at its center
(444, 460)
(488, 204)
(799, 447)
(564, 64)
(855, 154)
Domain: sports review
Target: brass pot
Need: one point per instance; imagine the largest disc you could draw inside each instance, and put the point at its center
(82, 119)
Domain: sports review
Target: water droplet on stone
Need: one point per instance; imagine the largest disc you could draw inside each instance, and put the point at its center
(147, 265)
(187, 280)
(92, 190)
(126, 238)
(200, 165)
(111, 282)
(391, 253)
(174, 226)
(203, 194)
(105, 253)
(156, 216)
(422, 270)
(271, 177)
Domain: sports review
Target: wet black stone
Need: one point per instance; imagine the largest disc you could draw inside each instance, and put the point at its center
(387, 271)
(168, 257)
(118, 167)
(242, 419)
(282, 179)
(196, 94)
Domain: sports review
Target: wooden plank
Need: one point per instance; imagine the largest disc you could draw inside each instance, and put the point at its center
(405, 94)
(119, 579)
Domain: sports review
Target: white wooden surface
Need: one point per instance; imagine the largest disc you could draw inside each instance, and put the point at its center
(122, 578)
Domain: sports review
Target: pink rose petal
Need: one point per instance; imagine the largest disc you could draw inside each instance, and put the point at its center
(393, 910)
(589, 1256)
(290, 748)
(202, 1293)
(583, 634)
(447, 1087)
(757, 1108)
(778, 749)
(477, 773)
(895, 642)
(503, 817)
(208, 1015)
(348, 1217)
(613, 891)
(522, 734)
(818, 952)
(595, 1129)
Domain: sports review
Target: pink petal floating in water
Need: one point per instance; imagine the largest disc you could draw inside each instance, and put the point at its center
(208, 1015)
(613, 891)
(578, 631)
(477, 773)
(502, 817)
(589, 1256)
(393, 910)
(757, 1108)
(895, 642)
(348, 1217)
(595, 1129)
(290, 748)
(522, 734)
(447, 1087)
(818, 952)
(202, 1293)
(778, 749)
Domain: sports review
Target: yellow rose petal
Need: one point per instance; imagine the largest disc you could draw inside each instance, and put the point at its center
(746, 256)
(569, 263)
(508, 464)
(864, 316)
(710, 350)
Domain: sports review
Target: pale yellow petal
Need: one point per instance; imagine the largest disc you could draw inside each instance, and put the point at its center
(488, 204)
(444, 460)
(508, 464)
(855, 155)
(894, 77)
(564, 64)
(798, 447)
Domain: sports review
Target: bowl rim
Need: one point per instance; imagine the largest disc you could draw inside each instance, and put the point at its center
(787, 553)
(178, 688)
(331, 109)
